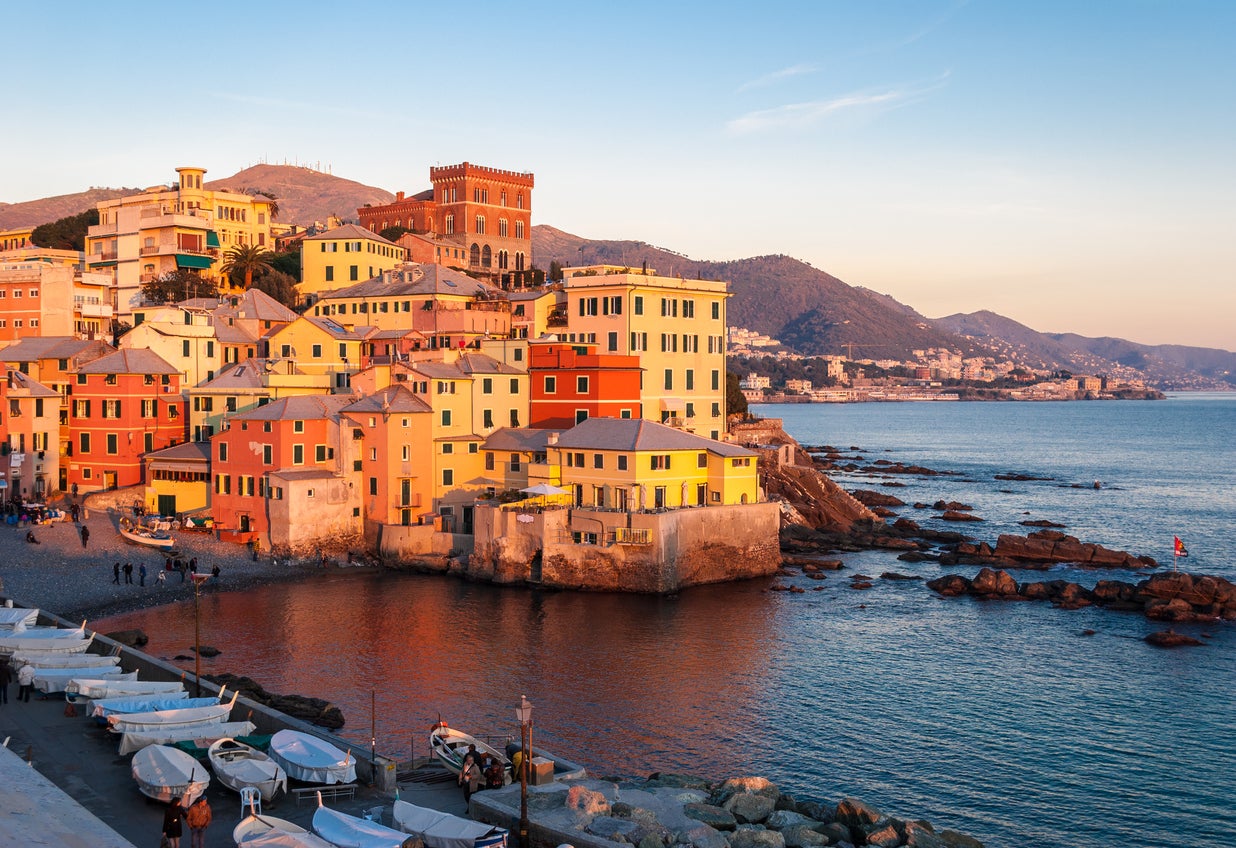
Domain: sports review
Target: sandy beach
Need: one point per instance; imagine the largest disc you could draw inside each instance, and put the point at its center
(62, 577)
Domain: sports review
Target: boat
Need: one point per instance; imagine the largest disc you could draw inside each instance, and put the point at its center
(449, 746)
(258, 830)
(443, 830)
(84, 689)
(167, 774)
(351, 832)
(49, 680)
(143, 535)
(52, 639)
(311, 758)
(101, 708)
(52, 659)
(17, 618)
(238, 765)
(161, 720)
(201, 735)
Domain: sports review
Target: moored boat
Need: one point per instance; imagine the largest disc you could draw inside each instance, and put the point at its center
(53, 659)
(201, 735)
(311, 759)
(449, 746)
(160, 720)
(238, 765)
(258, 830)
(348, 831)
(93, 688)
(17, 618)
(443, 830)
(142, 535)
(49, 680)
(166, 774)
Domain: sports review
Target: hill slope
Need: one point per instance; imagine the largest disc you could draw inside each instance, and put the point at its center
(304, 195)
(31, 213)
(810, 311)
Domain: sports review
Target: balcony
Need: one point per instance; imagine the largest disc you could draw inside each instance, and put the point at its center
(93, 310)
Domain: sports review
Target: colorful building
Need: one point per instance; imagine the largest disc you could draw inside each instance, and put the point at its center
(29, 437)
(285, 474)
(341, 257)
(396, 430)
(46, 293)
(143, 236)
(183, 334)
(16, 238)
(571, 383)
(177, 479)
(321, 346)
(675, 326)
(122, 405)
(244, 386)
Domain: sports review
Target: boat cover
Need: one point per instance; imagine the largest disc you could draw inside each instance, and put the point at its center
(54, 659)
(350, 832)
(96, 688)
(152, 722)
(164, 774)
(311, 759)
(147, 703)
(28, 642)
(57, 679)
(284, 839)
(17, 618)
(254, 769)
(443, 830)
(130, 742)
(259, 824)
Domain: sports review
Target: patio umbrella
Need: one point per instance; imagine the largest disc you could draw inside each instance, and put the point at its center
(543, 489)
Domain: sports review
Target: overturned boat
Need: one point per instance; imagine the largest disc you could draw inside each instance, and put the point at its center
(238, 765)
(311, 759)
(167, 774)
(159, 720)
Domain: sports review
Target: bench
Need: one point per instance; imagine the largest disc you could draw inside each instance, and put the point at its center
(334, 792)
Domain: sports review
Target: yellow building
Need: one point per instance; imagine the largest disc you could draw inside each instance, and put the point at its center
(183, 335)
(177, 479)
(675, 326)
(531, 310)
(341, 257)
(321, 346)
(631, 464)
(244, 386)
(16, 238)
(185, 225)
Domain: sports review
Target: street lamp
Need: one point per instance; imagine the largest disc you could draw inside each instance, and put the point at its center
(523, 714)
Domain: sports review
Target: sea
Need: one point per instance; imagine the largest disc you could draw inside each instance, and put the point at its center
(1018, 723)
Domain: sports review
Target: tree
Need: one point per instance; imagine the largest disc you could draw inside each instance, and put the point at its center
(274, 202)
(555, 271)
(246, 260)
(278, 285)
(735, 401)
(181, 284)
(393, 233)
(66, 233)
(287, 262)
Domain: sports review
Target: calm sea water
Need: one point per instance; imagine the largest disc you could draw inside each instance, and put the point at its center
(996, 719)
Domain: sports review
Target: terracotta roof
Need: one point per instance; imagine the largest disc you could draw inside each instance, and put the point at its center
(256, 304)
(396, 398)
(31, 387)
(638, 434)
(338, 331)
(482, 363)
(298, 408)
(51, 347)
(519, 439)
(187, 451)
(233, 334)
(415, 278)
(129, 361)
(349, 231)
(439, 370)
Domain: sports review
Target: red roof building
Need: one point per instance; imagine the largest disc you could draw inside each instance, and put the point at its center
(569, 383)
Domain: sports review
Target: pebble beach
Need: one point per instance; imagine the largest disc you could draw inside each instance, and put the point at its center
(62, 577)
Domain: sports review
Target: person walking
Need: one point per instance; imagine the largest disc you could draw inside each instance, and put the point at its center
(128, 573)
(198, 818)
(85, 535)
(214, 572)
(116, 574)
(161, 579)
(141, 574)
(25, 682)
(172, 827)
(6, 677)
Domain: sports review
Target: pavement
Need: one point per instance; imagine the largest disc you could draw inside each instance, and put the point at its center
(82, 792)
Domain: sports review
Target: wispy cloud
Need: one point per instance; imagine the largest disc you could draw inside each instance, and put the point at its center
(777, 76)
(799, 115)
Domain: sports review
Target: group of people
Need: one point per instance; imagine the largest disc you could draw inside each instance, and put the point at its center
(169, 565)
(480, 770)
(25, 681)
(197, 816)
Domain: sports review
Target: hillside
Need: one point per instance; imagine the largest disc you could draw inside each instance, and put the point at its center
(304, 195)
(810, 311)
(31, 213)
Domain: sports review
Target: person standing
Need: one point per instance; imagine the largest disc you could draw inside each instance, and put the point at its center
(198, 819)
(85, 535)
(161, 579)
(25, 682)
(214, 572)
(116, 574)
(470, 777)
(6, 677)
(172, 827)
(128, 573)
(141, 574)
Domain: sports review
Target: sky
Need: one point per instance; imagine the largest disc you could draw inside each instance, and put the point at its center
(1068, 165)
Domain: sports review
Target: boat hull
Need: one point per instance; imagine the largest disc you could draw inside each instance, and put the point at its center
(239, 766)
(166, 774)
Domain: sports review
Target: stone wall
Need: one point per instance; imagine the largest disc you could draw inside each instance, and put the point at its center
(684, 547)
(421, 544)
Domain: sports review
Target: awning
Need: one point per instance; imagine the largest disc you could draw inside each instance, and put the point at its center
(183, 261)
(212, 239)
(671, 404)
(109, 263)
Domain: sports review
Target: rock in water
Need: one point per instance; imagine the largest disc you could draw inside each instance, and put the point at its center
(1170, 639)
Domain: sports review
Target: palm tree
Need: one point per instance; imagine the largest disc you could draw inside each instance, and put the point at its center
(274, 203)
(247, 259)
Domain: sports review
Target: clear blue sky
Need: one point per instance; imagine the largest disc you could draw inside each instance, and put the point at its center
(1068, 164)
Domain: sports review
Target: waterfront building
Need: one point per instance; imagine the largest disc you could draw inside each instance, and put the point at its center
(448, 308)
(396, 427)
(123, 405)
(802, 387)
(675, 326)
(185, 225)
(572, 382)
(29, 437)
(485, 214)
(755, 381)
(286, 474)
(47, 293)
(244, 386)
(519, 458)
(177, 479)
(341, 257)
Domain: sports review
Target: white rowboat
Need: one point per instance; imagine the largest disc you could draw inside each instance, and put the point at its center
(200, 734)
(161, 720)
(311, 759)
(168, 774)
(351, 832)
(238, 765)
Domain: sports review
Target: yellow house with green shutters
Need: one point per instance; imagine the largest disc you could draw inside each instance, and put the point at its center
(321, 346)
(342, 257)
(632, 464)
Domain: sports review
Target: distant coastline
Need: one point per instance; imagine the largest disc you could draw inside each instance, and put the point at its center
(951, 394)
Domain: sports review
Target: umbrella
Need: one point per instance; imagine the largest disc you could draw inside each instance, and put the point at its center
(544, 489)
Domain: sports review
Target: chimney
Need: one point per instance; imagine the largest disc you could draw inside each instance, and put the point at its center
(552, 439)
(398, 196)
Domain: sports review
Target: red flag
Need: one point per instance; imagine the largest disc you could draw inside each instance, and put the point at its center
(1180, 548)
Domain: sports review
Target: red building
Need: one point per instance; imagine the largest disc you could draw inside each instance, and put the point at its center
(121, 406)
(572, 382)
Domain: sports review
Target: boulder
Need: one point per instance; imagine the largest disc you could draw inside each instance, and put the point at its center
(132, 638)
(749, 808)
(749, 837)
(885, 835)
(836, 832)
(993, 583)
(703, 836)
(801, 836)
(1173, 610)
(953, 839)
(817, 811)
(954, 515)
(611, 828)
(750, 785)
(855, 814)
(713, 816)
(921, 835)
(783, 818)
(950, 585)
(1170, 639)
(586, 801)
(207, 651)
(893, 575)
(651, 840)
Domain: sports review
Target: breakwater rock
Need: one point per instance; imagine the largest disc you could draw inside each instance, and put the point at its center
(1042, 549)
(1171, 596)
(680, 810)
(313, 710)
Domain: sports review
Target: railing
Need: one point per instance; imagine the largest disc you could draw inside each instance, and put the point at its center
(629, 536)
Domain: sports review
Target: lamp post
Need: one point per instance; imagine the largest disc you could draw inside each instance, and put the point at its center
(523, 714)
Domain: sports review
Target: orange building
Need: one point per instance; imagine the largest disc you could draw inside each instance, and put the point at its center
(398, 480)
(121, 406)
(486, 213)
(570, 383)
(284, 473)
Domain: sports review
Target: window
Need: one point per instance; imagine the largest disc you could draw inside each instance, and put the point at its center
(716, 412)
(446, 418)
(489, 461)
(588, 306)
(298, 454)
(317, 351)
(298, 426)
(716, 380)
(448, 448)
(112, 447)
(330, 273)
(690, 379)
(660, 462)
(354, 273)
(448, 477)
(111, 409)
(581, 385)
(514, 385)
(223, 451)
(267, 455)
(690, 409)
(598, 460)
(581, 415)
(551, 385)
(320, 453)
(480, 225)
(373, 485)
(688, 308)
(85, 443)
(514, 417)
(622, 462)
(81, 409)
(716, 312)
(487, 386)
(503, 229)
(701, 460)
(519, 232)
(184, 348)
(488, 418)
(613, 342)
(669, 379)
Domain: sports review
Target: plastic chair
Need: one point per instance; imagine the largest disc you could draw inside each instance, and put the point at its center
(250, 801)
(374, 814)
